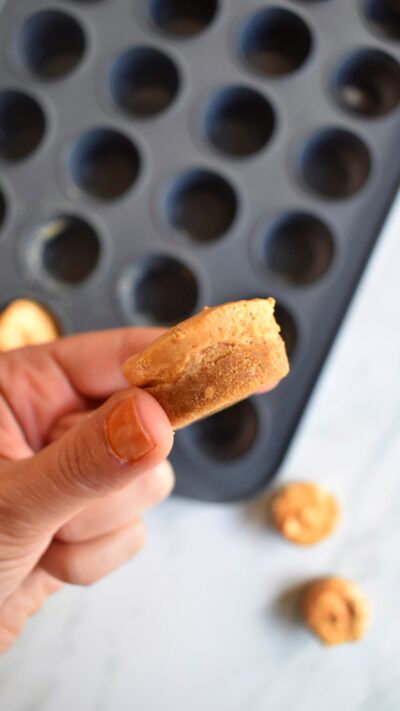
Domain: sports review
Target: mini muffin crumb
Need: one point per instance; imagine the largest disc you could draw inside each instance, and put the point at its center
(335, 610)
(23, 323)
(304, 513)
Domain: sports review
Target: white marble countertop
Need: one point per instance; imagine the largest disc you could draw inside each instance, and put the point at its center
(203, 618)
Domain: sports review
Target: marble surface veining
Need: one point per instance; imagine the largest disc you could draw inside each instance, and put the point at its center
(203, 618)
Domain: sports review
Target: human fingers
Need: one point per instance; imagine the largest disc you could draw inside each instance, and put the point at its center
(24, 602)
(65, 423)
(128, 436)
(85, 563)
(43, 384)
(114, 510)
(92, 361)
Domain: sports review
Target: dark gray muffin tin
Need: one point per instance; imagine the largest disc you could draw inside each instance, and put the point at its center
(160, 155)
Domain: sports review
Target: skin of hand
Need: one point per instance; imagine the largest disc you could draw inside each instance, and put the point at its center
(81, 458)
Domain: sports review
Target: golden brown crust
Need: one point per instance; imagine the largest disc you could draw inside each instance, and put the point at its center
(304, 513)
(24, 323)
(335, 610)
(214, 359)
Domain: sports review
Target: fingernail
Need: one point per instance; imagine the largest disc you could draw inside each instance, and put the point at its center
(125, 434)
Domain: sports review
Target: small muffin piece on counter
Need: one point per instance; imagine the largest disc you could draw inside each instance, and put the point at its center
(23, 323)
(210, 361)
(335, 610)
(304, 512)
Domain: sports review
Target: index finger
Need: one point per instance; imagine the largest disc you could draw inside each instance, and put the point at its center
(41, 384)
(92, 361)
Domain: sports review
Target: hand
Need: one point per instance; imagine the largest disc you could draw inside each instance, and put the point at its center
(76, 469)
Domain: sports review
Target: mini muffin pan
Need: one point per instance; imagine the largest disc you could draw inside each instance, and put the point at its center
(160, 155)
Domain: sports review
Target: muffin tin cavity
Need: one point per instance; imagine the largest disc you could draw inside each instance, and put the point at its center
(22, 125)
(104, 163)
(64, 250)
(158, 290)
(335, 163)
(367, 83)
(51, 44)
(182, 18)
(384, 16)
(275, 41)
(227, 435)
(298, 247)
(201, 205)
(239, 121)
(143, 81)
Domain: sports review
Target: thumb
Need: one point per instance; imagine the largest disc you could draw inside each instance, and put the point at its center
(125, 437)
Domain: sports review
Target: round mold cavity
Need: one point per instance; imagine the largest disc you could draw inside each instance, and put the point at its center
(367, 83)
(288, 328)
(3, 209)
(64, 249)
(239, 121)
(143, 81)
(227, 435)
(201, 205)
(22, 125)
(298, 247)
(51, 43)
(182, 18)
(335, 163)
(276, 41)
(159, 290)
(104, 163)
(384, 16)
